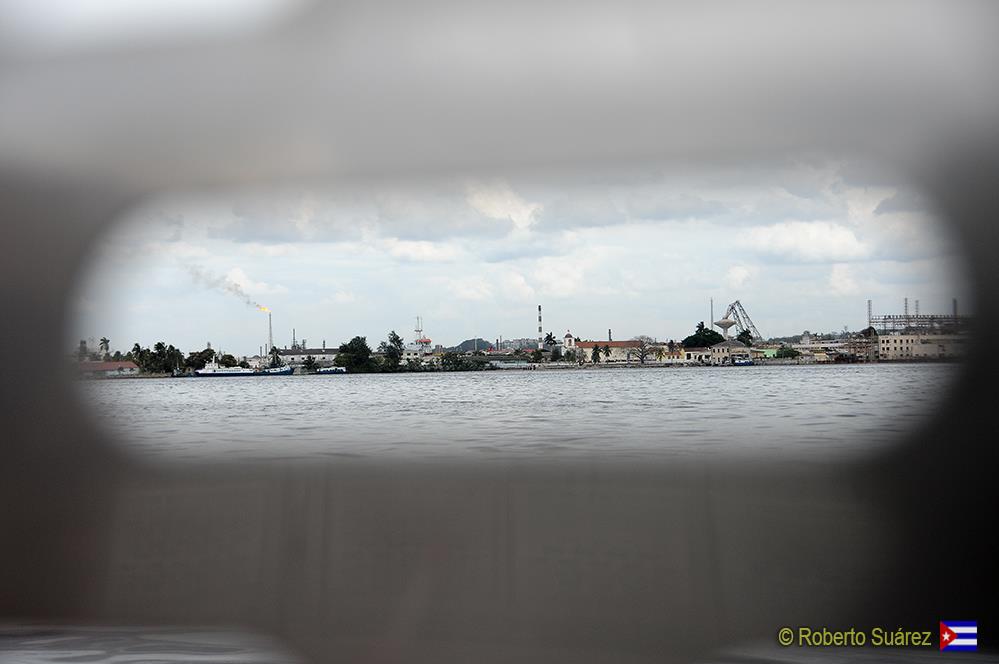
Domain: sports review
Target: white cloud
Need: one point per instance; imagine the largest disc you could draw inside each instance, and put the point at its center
(640, 254)
(737, 276)
(517, 287)
(238, 277)
(560, 276)
(422, 251)
(270, 250)
(343, 297)
(807, 241)
(498, 201)
(842, 281)
(470, 288)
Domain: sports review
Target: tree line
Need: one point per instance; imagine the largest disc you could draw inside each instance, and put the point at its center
(357, 356)
(161, 358)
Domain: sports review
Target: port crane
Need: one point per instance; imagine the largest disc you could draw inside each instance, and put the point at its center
(742, 320)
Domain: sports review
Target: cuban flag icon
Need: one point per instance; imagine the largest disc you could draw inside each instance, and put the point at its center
(958, 635)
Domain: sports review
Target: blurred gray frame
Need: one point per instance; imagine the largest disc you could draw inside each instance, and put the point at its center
(510, 562)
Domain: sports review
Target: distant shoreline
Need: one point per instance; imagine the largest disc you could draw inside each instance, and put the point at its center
(586, 367)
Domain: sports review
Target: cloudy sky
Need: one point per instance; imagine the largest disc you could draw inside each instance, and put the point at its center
(802, 245)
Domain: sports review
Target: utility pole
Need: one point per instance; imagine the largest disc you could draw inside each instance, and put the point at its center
(541, 345)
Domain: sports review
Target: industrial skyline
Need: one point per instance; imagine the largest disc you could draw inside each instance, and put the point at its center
(802, 247)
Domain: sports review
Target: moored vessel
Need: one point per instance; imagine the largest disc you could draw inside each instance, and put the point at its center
(215, 370)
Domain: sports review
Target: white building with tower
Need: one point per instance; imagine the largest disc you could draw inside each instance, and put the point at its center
(421, 347)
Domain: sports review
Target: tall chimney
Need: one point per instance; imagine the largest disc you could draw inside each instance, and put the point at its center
(609, 337)
(869, 316)
(917, 308)
(541, 345)
(270, 333)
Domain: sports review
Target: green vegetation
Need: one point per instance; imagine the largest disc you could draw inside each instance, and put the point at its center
(787, 352)
(160, 359)
(452, 361)
(276, 358)
(595, 354)
(195, 360)
(392, 351)
(310, 365)
(745, 337)
(702, 338)
(355, 355)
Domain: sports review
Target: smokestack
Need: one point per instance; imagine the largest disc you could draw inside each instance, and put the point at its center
(270, 333)
(711, 321)
(917, 308)
(609, 337)
(906, 310)
(541, 345)
(869, 316)
(293, 343)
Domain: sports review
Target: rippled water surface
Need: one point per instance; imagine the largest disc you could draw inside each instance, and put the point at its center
(34, 644)
(626, 413)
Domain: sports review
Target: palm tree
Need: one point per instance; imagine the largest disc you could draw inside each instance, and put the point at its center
(105, 347)
(595, 355)
(660, 353)
(275, 357)
(549, 339)
(607, 352)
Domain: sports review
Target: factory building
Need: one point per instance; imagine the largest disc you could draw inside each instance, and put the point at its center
(297, 355)
(915, 336)
(920, 347)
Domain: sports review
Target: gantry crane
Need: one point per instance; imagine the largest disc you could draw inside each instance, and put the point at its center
(742, 320)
